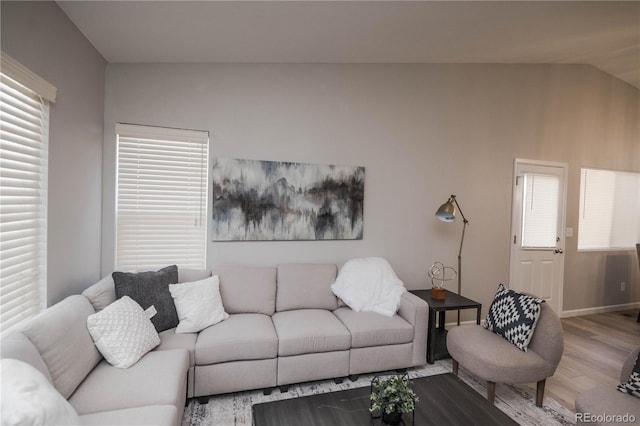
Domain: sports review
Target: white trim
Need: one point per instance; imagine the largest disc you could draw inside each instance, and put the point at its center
(559, 292)
(599, 310)
(15, 70)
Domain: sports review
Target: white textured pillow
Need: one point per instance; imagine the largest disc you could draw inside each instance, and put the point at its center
(28, 398)
(122, 332)
(198, 304)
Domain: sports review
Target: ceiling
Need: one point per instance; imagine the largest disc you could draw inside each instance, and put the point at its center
(605, 34)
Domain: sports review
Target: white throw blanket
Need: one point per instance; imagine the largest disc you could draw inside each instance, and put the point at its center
(369, 284)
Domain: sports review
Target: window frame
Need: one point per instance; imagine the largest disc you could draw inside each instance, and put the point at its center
(25, 147)
(581, 213)
(127, 135)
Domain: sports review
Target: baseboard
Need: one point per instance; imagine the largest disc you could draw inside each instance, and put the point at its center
(599, 310)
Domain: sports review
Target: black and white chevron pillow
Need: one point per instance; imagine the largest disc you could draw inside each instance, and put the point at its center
(632, 386)
(513, 316)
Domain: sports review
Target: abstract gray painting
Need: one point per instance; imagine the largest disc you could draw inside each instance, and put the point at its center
(273, 200)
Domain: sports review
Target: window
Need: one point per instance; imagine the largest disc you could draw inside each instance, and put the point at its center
(540, 210)
(24, 128)
(609, 210)
(161, 197)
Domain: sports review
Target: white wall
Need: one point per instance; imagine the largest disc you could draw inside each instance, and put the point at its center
(423, 132)
(41, 37)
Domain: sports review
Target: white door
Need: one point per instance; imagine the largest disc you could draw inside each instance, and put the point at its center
(537, 230)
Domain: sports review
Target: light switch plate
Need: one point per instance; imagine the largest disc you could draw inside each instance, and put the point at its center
(569, 232)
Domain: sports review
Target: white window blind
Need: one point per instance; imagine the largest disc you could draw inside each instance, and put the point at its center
(540, 210)
(24, 118)
(609, 210)
(161, 197)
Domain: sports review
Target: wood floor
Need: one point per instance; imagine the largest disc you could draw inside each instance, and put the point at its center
(595, 346)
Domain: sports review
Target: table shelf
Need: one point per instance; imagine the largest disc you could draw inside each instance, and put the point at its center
(436, 331)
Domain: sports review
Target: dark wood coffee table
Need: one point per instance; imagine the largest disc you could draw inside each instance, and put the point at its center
(444, 399)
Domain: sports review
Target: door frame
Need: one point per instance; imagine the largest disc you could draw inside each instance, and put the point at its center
(559, 292)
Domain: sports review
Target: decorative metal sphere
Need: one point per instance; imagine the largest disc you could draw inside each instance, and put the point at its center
(438, 274)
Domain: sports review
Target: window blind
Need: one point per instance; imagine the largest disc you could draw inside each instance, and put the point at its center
(609, 210)
(24, 118)
(540, 210)
(161, 197)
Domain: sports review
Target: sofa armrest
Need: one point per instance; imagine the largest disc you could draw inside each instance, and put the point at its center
(415, 311)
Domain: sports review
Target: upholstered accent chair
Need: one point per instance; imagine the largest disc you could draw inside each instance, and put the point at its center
(492, 358)
(607, 399)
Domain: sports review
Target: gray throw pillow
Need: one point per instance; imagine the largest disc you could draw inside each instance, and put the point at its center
(151, 288)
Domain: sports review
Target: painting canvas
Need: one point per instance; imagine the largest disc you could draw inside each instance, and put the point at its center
(273, 200)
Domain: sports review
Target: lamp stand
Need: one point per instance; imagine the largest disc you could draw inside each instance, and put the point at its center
(464, 226)
(447, 213)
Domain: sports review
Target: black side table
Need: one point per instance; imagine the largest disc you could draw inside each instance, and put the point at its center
(437, 334)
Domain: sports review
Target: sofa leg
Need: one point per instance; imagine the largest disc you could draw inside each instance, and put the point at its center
(491, 392)
(203, 400)
(401, 370)
(540, 392)
(353, 377)
(454, 367)
(338, 380)
(266, 391)
(284, 388)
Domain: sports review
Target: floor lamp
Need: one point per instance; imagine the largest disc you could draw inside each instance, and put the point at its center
(447, 213)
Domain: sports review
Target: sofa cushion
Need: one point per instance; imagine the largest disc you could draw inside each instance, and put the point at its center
(247, 290)
(159, 378)
(122, 332)
(306, 331)
(28, 398)
(306, 286)
(170, 340)
(101, 294)
(187, 275)
(198, 304)
(60, 334)
(154, 415)
(371, 329)
(17, 346)
(239, 337)
(151, 288)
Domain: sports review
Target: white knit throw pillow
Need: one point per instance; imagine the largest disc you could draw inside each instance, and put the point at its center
(122, 332)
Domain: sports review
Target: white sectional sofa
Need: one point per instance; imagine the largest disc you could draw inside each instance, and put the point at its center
(285, 326)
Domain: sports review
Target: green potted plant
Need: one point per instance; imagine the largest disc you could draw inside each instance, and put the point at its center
(392, 397)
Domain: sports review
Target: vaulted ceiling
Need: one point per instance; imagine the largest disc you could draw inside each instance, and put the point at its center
(605, 34)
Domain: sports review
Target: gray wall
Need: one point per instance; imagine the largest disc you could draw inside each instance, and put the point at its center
(41, 37)
(423, 132)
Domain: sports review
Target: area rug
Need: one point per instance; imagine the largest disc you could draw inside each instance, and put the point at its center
(235, 409)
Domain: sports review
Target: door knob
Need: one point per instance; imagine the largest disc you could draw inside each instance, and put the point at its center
(558, 251)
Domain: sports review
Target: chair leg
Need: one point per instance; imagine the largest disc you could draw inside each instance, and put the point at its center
(540, 392)
(454, 366)
(491, 392)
